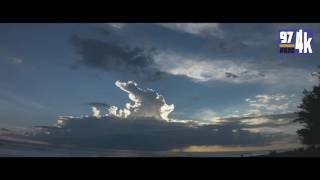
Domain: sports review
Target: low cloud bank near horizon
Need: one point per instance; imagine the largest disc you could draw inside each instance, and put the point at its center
(144, 124)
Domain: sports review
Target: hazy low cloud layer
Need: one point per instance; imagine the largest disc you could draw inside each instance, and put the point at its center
(268, 123)
(144, 133)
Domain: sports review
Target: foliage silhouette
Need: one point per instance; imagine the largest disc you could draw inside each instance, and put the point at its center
(309, 115)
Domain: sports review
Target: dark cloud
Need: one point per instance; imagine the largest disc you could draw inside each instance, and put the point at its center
(111, 56)
(271, 120)
(99, 104)
(230, 75)
(271, 116)
(106, 30)
(144, 125)
(195, 98)
(145, 134)
(114, 57)
(4, 130)
(227, 46)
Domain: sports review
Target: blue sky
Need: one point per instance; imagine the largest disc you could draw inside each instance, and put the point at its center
(51, 70)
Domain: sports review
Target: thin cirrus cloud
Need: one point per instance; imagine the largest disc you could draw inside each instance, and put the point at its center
(15, 60)
(150, 64)
(117, 25)
(9, 97)
(153, 64)
(204, 69)
(198, 29)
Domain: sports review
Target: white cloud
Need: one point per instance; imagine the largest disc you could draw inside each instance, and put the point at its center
(144, 124)
(15, 60)
(271, 107)
(255, 121)
(208, 115)
(144, 103)
(199, 29)
(265, 98)
(117, 25)
(268, 123)
(290, 129)
(252, 112)
(115, 111)
(96, 112)
(272, 146)
(316, 74)
(272, 103)
(202, 69)
(21, 101)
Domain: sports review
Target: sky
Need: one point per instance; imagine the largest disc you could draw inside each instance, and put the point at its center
(227, 76)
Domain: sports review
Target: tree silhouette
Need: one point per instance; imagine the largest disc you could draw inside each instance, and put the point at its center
(309, 115)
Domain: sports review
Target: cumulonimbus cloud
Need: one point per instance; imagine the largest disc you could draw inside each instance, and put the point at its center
(146, 103)
(144, 125)
(143, 103)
